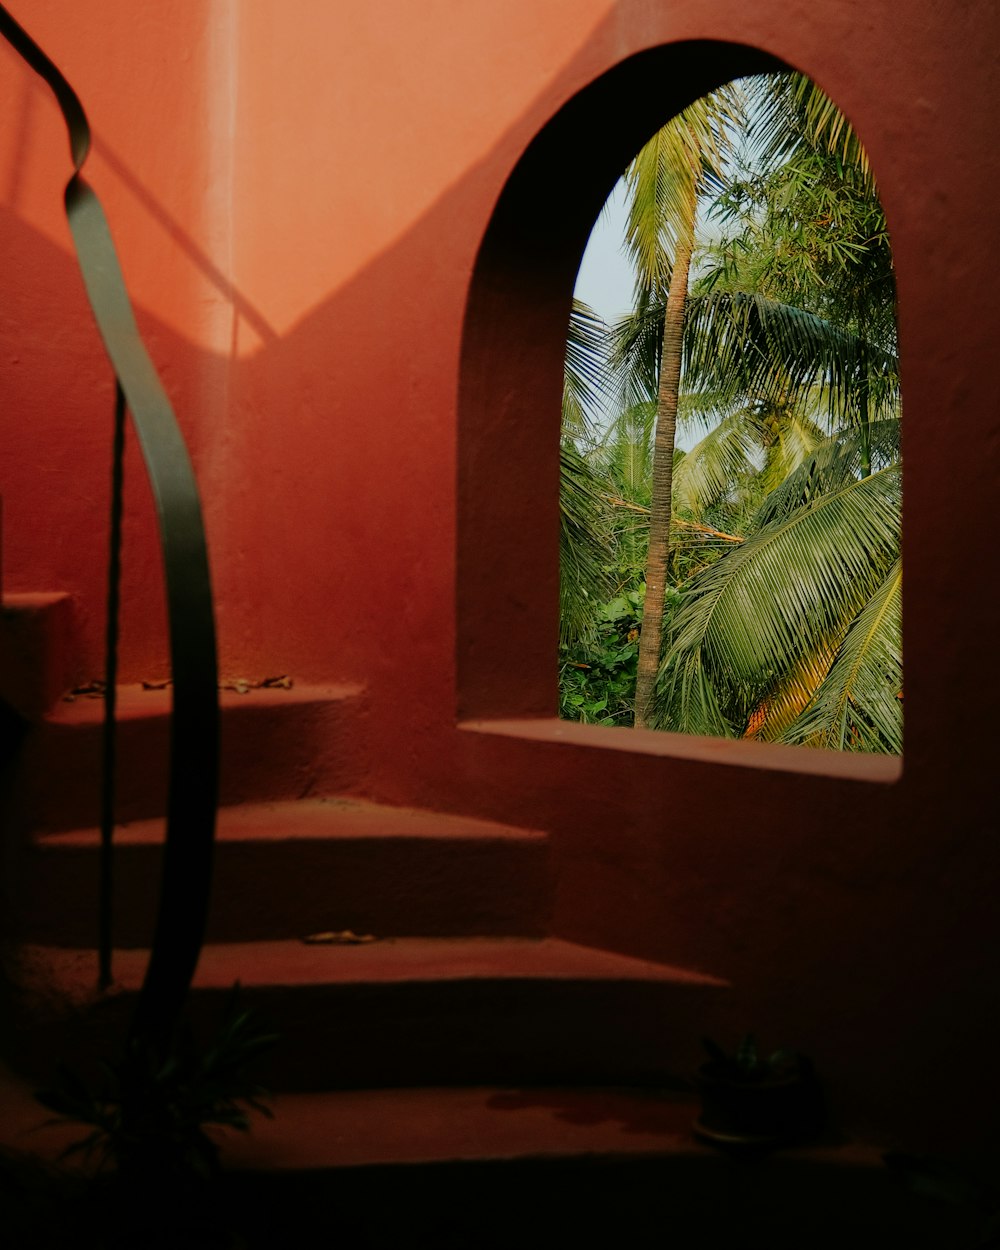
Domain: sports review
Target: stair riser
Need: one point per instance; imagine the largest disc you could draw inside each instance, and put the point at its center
(459, 1033)
(274, 890)
(273, 749)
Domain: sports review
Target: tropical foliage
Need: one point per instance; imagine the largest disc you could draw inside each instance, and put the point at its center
(779, 577)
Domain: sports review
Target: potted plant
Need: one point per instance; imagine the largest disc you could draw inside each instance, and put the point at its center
(755, 1101)
(150, 1119)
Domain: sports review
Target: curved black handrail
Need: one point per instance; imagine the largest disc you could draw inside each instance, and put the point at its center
(194, 750)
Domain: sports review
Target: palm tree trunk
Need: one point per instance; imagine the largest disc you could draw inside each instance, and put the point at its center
(650, 639)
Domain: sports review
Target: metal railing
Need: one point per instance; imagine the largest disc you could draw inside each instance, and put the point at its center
(194, 731)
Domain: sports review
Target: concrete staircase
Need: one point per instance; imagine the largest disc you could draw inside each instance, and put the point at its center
(462, 1078)
(458, 983)
(461, 982)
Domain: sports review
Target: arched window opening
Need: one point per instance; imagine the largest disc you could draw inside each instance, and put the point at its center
(730, 477)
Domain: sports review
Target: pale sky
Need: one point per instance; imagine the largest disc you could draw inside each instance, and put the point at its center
(605, 279)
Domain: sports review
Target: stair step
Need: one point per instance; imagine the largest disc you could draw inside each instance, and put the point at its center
(535, 1168)
(409, 1011)
(276, 744)
(285, 870)
(490, 1167)
(38, 657)
(373, 1127)
(365, 1127)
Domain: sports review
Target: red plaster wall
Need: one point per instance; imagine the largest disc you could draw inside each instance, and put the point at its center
(300, 195)
(142, 73)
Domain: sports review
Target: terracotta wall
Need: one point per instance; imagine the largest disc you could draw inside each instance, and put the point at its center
(156, 108)
(300, 195)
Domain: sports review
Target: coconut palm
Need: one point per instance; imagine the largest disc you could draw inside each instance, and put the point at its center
(683, 161)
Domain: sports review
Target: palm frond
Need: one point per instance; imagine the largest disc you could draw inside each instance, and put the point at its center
(687, 699)
(726, 456)
(791, 437)
(785, 591)
(624, 456)
(703, 408)
(751, 345)
(859, 706)
(792, 112)
(634, 356)
(683, 160)
(833, 464)
(584, 555)
(586, 377)
(779, 708)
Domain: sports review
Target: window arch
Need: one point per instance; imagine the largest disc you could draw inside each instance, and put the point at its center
(510, 384)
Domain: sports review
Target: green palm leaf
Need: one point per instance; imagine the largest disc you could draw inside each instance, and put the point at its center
(833, 464)
(746, 453)
(586, 380)
(584, 554)
(683, 160)
(687, 698)
(636, 342)
(714, 466)
(772, 717)
(748, 344)
(790, 438)
(858, 707)
(625, 454)
(787, 590)
(792, 113)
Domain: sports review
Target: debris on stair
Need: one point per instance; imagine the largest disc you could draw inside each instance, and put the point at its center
(242, 685)
(341, 937)
(88, 690)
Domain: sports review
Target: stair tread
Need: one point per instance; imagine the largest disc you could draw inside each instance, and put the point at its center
(388, 961)
(310, 819)
(135, 702)
(347, 1128)
(33, 600)
(325, 1129)
(338, 1128)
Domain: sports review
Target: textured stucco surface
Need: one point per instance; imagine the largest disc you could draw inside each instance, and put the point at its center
(300, 197)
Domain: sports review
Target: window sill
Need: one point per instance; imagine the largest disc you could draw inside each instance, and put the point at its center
(760, 756)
